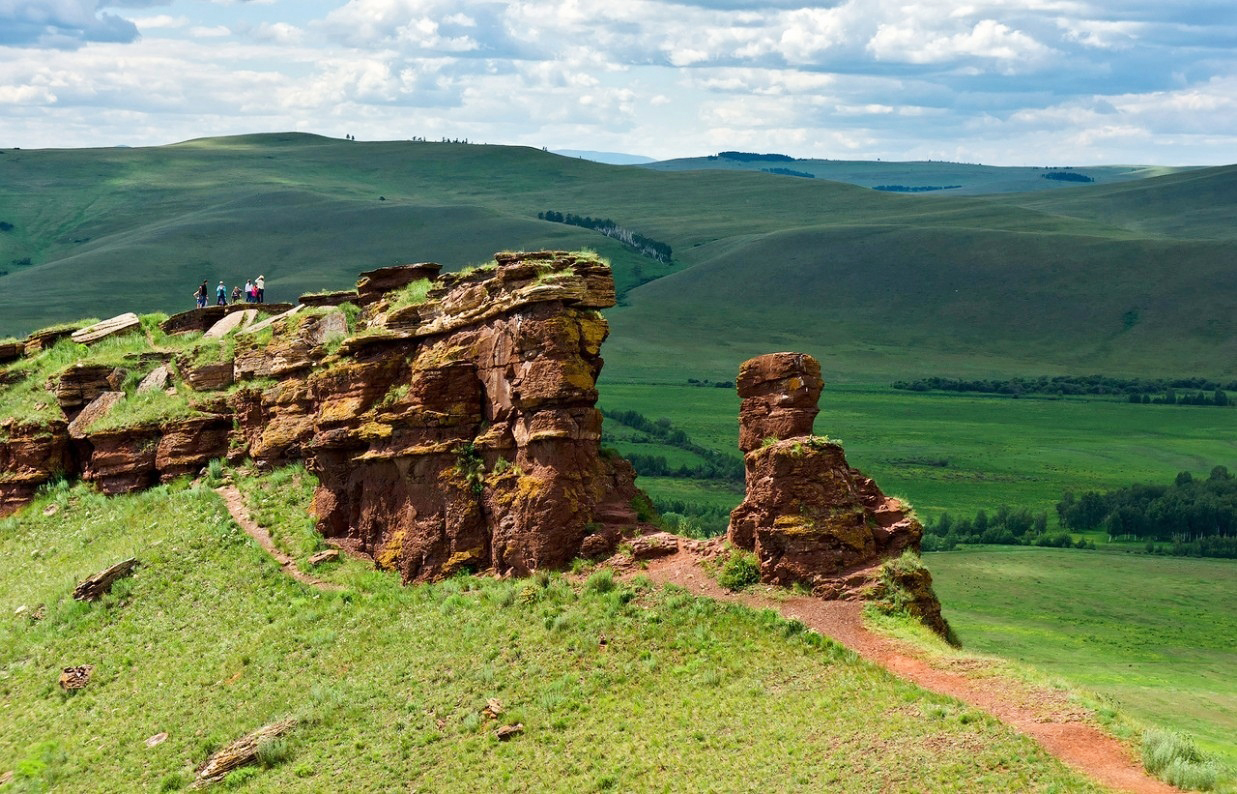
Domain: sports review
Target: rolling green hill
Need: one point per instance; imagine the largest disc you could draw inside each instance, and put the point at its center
(957, 179)
(877, 284)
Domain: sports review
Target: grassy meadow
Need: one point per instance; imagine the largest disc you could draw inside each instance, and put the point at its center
(1155, 634)
(995, 450)
(210, 640)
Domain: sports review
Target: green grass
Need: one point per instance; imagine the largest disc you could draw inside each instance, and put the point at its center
(1153, 633)
(882, 285)
(209, 640)
(1023, 452)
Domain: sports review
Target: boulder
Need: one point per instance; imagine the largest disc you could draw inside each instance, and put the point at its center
(230, 322)
(96, 410)
(42, 340)
(328, 298)
(120, 324)
(11, 350)
(158, 379)
(82, 383)
(31, 454)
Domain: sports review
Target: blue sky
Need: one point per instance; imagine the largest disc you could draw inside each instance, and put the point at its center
(1016, 82)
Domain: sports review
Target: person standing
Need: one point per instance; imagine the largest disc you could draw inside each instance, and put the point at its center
(248, 291)
(221, 295)
(201, 295)
(236, 294)
(260, 286)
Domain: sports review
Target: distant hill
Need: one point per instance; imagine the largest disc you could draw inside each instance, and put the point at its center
(610, 158)
(928, 176)
(1123, 278)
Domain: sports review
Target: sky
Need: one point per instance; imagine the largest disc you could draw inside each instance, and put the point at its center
(1004, 82)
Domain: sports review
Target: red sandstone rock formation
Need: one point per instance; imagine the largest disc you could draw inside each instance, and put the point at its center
(809, 517)
(458, 431)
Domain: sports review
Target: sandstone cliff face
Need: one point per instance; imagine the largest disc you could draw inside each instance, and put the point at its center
(456, 428)
(809, 517)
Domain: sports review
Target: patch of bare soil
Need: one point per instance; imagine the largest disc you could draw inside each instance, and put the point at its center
(1047, 716)
(240, 514)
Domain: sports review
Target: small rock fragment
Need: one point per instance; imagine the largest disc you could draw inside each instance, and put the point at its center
(508, 731)
(157, 739)
(326, 555)
(492, 708)
(74, 678)
(51, 510)
(98, 585)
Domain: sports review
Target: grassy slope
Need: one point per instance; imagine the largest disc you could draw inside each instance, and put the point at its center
(885, 283)
(1000, 451)
(210, 640)
(1154, 633)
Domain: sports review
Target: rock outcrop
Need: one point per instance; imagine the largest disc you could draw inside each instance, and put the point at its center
(455, 429)
(811, 518)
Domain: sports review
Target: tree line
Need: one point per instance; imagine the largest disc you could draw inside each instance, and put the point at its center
(714, 465)
(1067, 176)
(748, 157)
(919, 189)
(1159, 391)
(1191, 517)
(789, 172)
(647, 246)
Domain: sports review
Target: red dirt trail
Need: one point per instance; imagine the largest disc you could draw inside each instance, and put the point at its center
(240, 514)
(1045, 715)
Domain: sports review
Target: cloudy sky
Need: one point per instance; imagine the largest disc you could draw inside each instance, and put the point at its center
(997, 81)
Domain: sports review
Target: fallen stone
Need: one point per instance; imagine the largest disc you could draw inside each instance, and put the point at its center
(492, 709)
(242, 751)
(98, 408)
(101, 583)
(120, 324)
(74, 678)
(269, 321)
(157, 380)
(509, 731)
(324, 556)
(229, 322)
(157, 739)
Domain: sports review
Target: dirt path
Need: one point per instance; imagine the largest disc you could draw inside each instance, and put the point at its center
(240, 514)
(1047, 716)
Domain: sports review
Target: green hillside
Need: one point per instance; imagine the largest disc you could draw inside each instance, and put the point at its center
(884, 284)
(618, 685)
(956, 179)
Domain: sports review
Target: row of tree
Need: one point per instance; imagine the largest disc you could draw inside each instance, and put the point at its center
(1190, 517)
(789, 172)
(647, 246)
(714, 465)
(1186, 510)
(1059, 385)
(916, 189)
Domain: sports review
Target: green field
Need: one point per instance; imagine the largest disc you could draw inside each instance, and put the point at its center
(1023, 452)
(210, 640)
(1156, 634)
(1131, 278)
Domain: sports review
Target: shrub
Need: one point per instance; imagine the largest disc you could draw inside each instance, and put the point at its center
(1176, 760)
(739, 570)
(601, 582)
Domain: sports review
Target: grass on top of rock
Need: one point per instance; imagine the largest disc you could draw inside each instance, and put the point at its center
(413, 294)
(211, 640)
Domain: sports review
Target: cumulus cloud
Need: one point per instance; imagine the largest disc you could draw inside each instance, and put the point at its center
(995, 79)
(60, 24)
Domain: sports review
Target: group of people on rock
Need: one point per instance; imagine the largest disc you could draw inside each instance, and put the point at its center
(255, 292)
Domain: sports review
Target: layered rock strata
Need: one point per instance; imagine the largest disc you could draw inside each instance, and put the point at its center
(811, 518)
(454, 429)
